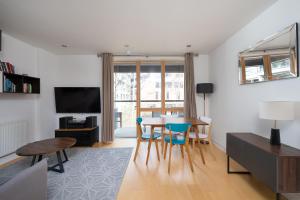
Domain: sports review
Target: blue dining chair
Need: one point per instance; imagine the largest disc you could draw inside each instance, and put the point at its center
(178, 139)
(143, 136)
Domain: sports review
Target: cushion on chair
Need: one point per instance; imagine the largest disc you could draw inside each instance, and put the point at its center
(201, 135)
(146, 136)
(176, 139)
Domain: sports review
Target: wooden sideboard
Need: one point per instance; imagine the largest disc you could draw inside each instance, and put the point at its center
(276, 166)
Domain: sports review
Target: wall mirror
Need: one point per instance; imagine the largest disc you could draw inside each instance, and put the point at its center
(273, 58)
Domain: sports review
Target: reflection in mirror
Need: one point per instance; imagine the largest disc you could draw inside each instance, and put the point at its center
(273, 58)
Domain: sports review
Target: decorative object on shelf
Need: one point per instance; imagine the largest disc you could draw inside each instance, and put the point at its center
(273, 58)
(276, 110)
(204, 88)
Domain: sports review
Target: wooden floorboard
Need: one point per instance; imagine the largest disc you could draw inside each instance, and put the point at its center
(208, 182)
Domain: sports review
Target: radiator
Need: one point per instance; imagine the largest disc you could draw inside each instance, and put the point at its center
(12, 136)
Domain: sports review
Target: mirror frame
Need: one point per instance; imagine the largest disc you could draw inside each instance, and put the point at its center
(264, 41)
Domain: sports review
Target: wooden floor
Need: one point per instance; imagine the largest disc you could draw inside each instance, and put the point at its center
(208, 182)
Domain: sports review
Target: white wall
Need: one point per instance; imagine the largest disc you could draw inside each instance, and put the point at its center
(27, 60)
(53, 71)
(201, 71)
(15, 107)
(78, 71)
(234, 107)
(64, 71)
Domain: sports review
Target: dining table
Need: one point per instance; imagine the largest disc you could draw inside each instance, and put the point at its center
(160, 122)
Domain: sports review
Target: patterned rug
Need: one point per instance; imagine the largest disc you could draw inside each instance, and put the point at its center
(90, 174)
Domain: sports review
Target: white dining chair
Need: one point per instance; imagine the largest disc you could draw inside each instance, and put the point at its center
(204, 134)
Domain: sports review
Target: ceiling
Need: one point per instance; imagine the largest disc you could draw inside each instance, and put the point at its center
(160, 27)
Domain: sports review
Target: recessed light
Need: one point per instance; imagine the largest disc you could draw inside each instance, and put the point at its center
(188, 45)
(64, 45)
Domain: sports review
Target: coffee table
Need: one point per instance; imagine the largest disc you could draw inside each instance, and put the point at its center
(48, 146)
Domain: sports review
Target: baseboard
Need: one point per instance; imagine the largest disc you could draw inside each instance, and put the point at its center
(219, 146)
(8, 158)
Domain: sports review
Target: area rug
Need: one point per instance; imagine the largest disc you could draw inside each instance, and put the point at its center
(90, 174)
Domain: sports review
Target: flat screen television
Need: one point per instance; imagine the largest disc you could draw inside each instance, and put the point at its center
(77, 99)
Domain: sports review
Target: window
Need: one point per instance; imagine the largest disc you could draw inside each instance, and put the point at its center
(280, 66)
(174, 86)
(150, 77)
(125, 95)
(254, 68)
(161, 90)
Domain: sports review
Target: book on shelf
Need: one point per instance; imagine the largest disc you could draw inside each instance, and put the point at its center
(9, 86)
(7, 67)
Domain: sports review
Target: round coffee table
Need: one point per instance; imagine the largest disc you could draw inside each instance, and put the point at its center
(44, 147)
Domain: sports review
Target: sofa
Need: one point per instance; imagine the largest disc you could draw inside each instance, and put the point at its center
(30, 183)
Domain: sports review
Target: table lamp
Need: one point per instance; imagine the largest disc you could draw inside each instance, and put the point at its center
(276, 110)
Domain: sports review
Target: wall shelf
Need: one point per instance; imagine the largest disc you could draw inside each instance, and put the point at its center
(19, 84)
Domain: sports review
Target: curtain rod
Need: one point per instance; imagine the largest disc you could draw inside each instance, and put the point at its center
(147, 55)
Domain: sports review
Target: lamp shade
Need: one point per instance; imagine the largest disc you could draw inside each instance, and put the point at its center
(277, 110)
(204, 88)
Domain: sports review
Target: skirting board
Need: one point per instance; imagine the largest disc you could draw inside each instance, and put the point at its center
(8, 158)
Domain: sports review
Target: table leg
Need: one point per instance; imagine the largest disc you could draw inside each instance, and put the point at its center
(149, 144)
(65, 154)
(40, 158)
(33, 160)
(60, 163)
(199, 144)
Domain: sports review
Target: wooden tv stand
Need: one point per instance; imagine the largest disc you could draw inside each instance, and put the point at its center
(84, 136)
(277, 166)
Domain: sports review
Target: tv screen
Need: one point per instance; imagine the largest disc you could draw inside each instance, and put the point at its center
(77, 99)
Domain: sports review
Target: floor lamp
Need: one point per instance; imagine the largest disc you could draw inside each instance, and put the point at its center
(204, 88)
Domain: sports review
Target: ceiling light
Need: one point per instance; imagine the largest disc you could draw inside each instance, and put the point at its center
(64, 45)
(126, 45)
(188, 46)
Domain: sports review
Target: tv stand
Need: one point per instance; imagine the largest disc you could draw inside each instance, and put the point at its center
(86, 131)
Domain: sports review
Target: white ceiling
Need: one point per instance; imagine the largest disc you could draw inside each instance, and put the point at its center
(161, 27)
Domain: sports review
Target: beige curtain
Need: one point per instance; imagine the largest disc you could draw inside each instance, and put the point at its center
(107, 133)
(190, 110)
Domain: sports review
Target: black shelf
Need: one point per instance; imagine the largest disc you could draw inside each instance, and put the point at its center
(20, 81)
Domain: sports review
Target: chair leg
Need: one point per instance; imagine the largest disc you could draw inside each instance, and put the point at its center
(170, 154)
(165, 152)
(189, 157)
(137, 149)
(148, 153)
(157, 149)
(182, 153)
(201, 153)
(162, 142)
(193, 143)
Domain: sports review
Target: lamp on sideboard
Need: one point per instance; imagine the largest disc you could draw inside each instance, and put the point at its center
(204, 88)
(276, 110)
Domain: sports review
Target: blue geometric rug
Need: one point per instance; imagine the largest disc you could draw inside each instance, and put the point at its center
(90, 173)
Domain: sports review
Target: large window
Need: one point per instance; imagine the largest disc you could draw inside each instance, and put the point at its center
(174, 91)
(147, 90)
(150, 85)
(125, 95)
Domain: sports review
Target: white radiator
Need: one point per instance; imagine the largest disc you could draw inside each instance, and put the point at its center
(12, 136)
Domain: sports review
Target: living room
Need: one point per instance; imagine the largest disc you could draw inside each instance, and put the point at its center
(137, 68)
